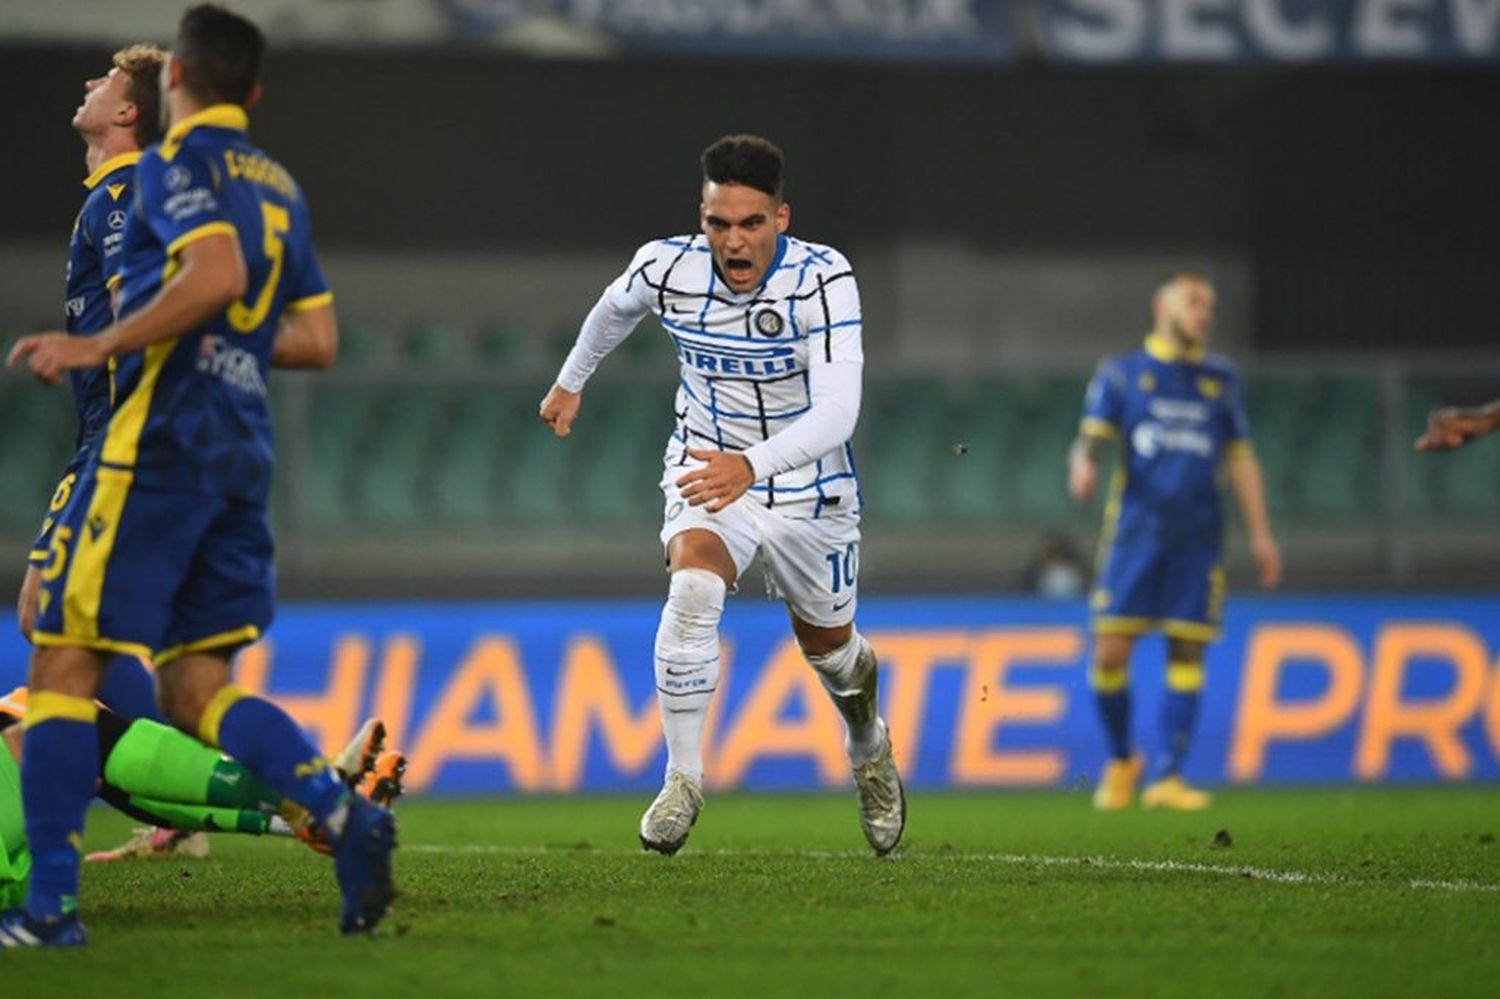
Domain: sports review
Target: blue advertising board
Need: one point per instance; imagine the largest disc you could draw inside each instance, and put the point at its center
(978, 692)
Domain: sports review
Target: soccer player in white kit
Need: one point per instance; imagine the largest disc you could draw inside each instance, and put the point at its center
(767, 328)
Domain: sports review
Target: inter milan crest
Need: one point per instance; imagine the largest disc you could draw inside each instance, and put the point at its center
(768, 322)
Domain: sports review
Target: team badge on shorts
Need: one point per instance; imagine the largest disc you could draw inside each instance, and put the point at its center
(768, 322)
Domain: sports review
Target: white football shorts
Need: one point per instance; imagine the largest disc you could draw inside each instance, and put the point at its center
(810, 563)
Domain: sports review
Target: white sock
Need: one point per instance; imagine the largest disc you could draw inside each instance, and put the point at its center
(837, 669)
(687, 664)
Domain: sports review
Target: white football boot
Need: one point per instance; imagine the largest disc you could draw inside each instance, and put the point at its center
(665, 826)
(882, 798)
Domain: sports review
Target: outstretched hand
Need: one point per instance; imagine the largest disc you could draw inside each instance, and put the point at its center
(52, 355)
(724, 478)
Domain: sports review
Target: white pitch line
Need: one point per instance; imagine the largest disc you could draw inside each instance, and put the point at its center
(1250, 873)
(1461, 885)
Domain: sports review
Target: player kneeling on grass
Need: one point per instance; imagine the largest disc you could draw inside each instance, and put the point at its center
(156, 774)
(768, 331)
(1179, 417)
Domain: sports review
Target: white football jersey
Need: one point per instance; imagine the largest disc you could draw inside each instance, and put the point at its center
(746, 357)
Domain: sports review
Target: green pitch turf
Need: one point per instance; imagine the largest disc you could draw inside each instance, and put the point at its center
(1346, 892)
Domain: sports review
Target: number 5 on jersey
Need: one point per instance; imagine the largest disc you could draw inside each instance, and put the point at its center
(275, 223)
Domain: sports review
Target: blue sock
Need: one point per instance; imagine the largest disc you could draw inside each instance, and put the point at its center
(265, 739)
(129, 690)
(1179, 712)
(1112, 694)
(59, 766)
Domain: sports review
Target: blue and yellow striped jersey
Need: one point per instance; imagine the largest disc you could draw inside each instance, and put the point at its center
(94, 255)
(1178, 418)
(191, 412)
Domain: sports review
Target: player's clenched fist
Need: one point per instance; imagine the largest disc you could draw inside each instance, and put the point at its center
(51, 355)
(559, 409)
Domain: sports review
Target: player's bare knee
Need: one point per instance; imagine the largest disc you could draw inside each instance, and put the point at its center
(1111, 654)
(26, 602)
(699, 549)
(66, 670)
(816, 640)
(177, 703)
(1111, 664)
(1182, 650)
(164, 702)
(185, 688)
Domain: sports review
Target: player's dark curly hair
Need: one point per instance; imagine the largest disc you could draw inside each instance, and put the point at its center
(745, 159)
(220, 54)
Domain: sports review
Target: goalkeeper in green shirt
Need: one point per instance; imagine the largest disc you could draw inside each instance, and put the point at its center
(173, 782)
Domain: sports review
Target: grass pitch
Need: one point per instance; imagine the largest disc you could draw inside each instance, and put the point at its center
(1350, 892)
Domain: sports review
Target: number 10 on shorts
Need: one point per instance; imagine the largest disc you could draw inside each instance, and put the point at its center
(843, 567)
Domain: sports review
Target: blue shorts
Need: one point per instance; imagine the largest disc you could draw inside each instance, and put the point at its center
(154, 573)
(41, 548)
(1177, 588)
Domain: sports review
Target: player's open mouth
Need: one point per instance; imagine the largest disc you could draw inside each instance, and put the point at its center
(739, 271)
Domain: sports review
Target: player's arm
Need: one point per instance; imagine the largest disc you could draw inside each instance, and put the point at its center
(1084, 458)
(1450, 427)
(832, 414)
(613, 318)
(1248, 485)
(307, 339)
(835, 373)
(1247, 482)
(1100, 426)
(211, 275)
